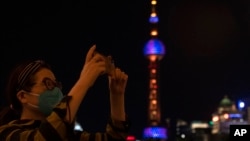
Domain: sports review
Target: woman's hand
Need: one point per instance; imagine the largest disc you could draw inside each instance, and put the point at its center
(117, 82)
(94, 66)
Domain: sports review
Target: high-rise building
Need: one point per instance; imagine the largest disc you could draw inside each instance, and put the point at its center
(154, 50)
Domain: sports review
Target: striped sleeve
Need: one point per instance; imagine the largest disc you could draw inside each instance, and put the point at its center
(53, 128)
(19, 132)
(115, 131)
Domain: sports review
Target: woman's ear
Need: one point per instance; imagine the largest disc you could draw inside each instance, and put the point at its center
(21, 96)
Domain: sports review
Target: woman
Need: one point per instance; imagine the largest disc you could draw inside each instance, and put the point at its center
(42, 113)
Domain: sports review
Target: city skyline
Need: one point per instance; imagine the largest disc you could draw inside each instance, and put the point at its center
(206, 57)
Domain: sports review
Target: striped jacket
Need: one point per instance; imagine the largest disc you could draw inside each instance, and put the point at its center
(54, 128)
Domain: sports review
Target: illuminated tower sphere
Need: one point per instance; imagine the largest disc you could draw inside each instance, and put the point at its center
(154, 49)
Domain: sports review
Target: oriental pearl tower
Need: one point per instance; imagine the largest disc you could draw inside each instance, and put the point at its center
(154, 51)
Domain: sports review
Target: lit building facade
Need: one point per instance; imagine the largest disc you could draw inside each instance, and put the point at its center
(227, 114)
(154, 50)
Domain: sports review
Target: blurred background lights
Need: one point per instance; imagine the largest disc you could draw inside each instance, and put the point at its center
(241, 104)
(154, 101)
(153, 19)
(153, 70)
(154, 112)
(153, 2)
(154, 33)
(226, 116)
(215, 118)
(131, 138)
(235, 115)
(153, 14)
(153, 80)
(183, 136)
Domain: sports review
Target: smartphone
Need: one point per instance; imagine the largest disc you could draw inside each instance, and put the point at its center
(109, 63)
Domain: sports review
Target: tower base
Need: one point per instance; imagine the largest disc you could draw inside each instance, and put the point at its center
(155, 133)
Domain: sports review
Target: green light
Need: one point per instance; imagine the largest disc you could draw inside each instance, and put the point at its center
(211, 123)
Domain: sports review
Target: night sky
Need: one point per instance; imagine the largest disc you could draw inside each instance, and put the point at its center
(207, 45)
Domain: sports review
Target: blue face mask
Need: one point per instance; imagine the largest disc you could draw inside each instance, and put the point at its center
(48, 100)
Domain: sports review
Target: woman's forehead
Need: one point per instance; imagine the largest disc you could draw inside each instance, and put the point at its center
(44, 73)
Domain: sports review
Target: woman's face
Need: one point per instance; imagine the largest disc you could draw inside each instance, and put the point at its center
(44, 78)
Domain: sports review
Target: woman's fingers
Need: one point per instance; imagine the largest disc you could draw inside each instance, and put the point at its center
(90, 53)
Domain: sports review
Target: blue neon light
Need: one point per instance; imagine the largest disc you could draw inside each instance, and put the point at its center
(154, 19)
(155, 132)
(154, 47)
(235, 115)
(241, 104)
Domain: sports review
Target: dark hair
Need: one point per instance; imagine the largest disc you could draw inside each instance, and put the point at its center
(20, 78)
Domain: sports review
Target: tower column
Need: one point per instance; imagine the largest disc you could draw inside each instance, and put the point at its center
(154, 50)
(154, 113)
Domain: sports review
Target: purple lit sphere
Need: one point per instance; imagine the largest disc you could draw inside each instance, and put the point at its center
(154, 47)
(153, 19)
(155, 132)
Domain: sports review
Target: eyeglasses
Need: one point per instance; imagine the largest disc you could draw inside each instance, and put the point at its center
(50, 84)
